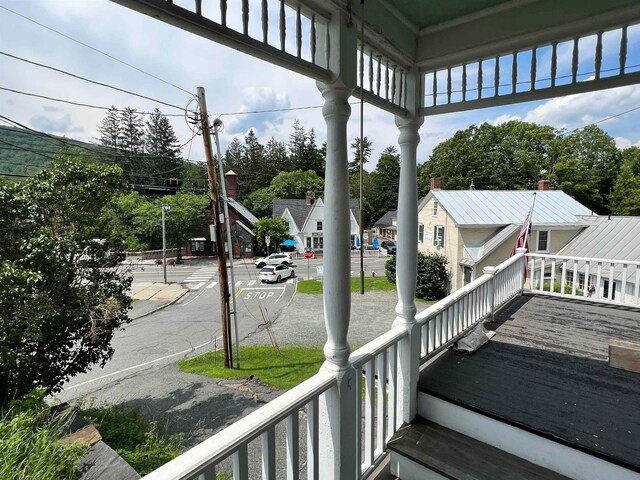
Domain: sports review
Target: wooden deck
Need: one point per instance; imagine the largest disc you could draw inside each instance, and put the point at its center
(546, 371)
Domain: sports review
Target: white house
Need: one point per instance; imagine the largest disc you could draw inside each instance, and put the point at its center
(305, 218)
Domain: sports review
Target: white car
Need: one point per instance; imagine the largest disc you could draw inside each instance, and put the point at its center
(274, 274)
(274, 259)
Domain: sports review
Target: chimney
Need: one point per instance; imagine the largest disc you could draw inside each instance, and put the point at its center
(435, 183)
(543, 185)
(232, 184)
(308, 197)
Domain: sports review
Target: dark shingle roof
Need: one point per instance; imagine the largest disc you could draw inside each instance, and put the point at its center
(385, 220)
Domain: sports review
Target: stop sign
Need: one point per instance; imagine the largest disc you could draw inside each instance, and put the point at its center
(308, 254)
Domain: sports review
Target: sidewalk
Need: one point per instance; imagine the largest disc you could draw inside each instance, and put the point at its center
(151, 296)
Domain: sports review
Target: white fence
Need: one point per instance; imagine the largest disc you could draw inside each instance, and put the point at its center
(386, 383)
(595, 279)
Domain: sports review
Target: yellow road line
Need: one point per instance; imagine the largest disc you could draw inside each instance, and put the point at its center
(238, 292)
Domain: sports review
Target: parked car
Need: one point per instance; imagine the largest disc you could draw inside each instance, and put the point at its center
(274, 274)
(274, 259)
(388, 247)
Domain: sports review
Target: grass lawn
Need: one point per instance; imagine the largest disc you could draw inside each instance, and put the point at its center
(377, 283)
(291, 367)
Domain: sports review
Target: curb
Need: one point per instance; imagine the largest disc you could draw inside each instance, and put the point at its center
(182, 294)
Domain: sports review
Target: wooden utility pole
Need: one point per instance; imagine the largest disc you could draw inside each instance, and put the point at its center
(219, 226)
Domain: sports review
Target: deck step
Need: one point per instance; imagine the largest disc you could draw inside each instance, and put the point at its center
(426, 450)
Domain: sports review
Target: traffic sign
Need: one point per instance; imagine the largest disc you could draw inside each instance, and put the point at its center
(308, 254)
(267, 239)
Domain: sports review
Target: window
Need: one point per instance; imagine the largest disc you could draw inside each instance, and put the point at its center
(435, 208)
(197, 246)
(438, 236)
(421, 233)
(308, 242)
(468, 274)
(543, 240)
(319, 226)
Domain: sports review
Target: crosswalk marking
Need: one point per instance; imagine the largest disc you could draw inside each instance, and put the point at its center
(200, 283)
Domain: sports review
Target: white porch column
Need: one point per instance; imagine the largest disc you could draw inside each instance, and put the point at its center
(338, 425)
(406, 267)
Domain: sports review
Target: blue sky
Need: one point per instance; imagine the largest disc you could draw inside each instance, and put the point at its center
(234, 82)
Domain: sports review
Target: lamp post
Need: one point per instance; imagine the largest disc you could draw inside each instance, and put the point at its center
(165, 208)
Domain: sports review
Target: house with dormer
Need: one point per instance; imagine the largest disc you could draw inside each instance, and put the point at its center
(305, 219)
(479, 228)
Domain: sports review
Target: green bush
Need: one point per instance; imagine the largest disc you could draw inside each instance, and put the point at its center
(432, 279)
(136, 439)
(556, 288)
(30, 447)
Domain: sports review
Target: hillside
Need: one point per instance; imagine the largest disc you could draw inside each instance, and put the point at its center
(25, 153)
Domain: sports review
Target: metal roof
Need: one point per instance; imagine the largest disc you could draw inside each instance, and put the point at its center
(617, 238)
(242, 210)
(476, 252)
(499, 207)
(387, 219)
(300, 211)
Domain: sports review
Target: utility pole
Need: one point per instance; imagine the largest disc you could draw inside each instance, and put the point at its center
(165, 208)
(219, 222)
(361, 149)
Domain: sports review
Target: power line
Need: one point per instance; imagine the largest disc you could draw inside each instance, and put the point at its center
(90, 81)
(96, 50)
(88, 105)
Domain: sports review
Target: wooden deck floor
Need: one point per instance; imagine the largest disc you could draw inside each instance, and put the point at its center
(546, 371)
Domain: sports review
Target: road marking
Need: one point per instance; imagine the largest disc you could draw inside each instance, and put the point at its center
(194, 298)
(196, 280)
(239, 282)
(251, 282)
(263, 288)
(196, 287)
(283, 290)
(213, 284)
(238, 292)
(142, 364)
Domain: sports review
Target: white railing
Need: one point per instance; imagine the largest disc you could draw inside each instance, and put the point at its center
(595, 279)
(449, 319)
(200, 462)
(378, 361)
(384, 386)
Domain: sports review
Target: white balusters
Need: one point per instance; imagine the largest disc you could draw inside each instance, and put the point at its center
(574, 60)
(623, 287)
(496, 77)
(241, 463)
(611, 284)
(369, 430)
(534, 67)
(293, 446)
(381, 424)
(585, 288)
(554, 63)
(598, 58)
(623, 50)
(393, 390)
(599, 281)
(265, 21)
(269, 454)
(298, 31)
(313, 440)
(283, 26)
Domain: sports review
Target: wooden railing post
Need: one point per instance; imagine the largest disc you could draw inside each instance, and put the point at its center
(523, 269)
(492, 289)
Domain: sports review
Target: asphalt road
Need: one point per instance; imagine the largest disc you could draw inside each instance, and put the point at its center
(192, 325)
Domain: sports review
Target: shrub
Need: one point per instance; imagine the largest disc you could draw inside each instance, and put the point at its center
(432, 275)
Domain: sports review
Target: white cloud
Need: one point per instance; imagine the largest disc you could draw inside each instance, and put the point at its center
(54, 125)
(576, 111)
(622, 143)
(504, 118)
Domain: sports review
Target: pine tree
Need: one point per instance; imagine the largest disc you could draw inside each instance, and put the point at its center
(109, 129)
(161, 144)
(625, 198)
(354, 165)
(131, 134)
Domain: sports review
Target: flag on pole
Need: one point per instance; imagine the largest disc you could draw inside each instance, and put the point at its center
(523, 238)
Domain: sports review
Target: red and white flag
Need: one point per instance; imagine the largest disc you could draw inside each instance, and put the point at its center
(523, 238)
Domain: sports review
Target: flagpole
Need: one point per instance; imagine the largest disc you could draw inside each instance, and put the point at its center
(526, 235)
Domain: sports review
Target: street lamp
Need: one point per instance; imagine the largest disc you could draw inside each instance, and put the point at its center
(165, 208)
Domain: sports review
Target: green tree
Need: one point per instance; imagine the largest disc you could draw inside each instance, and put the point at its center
(187, 213)
(131, 134)
(162, 146)
(305, 154)
(354, 165)
(513, 155)
(625, 198)
(632, 155)
(120, 215)
(276, 228)
(285, 185)
(62, 291)
(575, 178)
(109, 129)
(383, 194)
